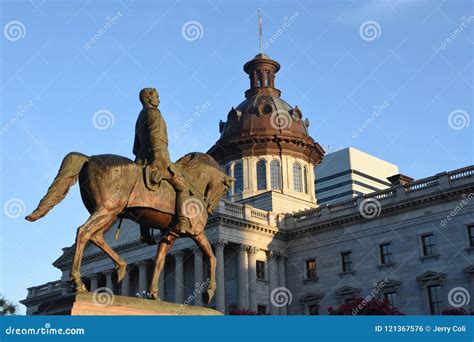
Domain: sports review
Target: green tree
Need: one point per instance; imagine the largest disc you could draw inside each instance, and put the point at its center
(6, 307)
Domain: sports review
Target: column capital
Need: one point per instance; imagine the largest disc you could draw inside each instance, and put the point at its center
(271, 255)
(178, 255)
(253, 250)
(142, 263)
(220, 243)
(241, 248)
(109, 272)
(196, 250)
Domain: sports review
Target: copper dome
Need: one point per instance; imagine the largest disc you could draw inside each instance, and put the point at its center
(264, 123)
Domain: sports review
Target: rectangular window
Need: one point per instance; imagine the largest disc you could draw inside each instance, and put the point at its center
(311, 269)
(346, 261)
(260, 270)
(261, 309)
(428, 244)
(386, 253)
(470, 232)
(392, 298)
(313, 310)
(434, 294)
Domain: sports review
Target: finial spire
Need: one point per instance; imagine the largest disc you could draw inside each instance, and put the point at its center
(260, 29)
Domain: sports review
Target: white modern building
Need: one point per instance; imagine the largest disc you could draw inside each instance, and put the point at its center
(286, 247)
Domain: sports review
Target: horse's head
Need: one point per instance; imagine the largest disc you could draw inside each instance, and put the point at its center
(216, 189)
(206, 176)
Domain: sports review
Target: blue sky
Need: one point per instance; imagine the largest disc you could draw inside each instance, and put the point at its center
(64, 91)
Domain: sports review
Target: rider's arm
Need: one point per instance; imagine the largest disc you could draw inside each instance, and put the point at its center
(136, 145)
(158, 134)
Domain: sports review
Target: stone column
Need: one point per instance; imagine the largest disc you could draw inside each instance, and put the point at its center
(252, 278)
(178, 277)
(220, 276)
(282, 278)
(243, 275)
(142, 276)
(108, 279)
(197, 276)
(125, 285)
(94, 281)
(272, 280)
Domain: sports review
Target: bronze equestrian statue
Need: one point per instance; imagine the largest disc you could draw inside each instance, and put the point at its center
(153, 192)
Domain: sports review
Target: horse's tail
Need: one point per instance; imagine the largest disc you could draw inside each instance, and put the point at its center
(66, 177)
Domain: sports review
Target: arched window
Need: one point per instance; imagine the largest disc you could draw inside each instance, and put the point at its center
(259, 79)
(305, 179)
(267, 78)
(261, 175)
(228, 171)
(239, 178)
(297, 177)
(275, 174)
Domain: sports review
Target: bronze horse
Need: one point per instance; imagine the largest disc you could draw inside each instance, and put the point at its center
(112, 187)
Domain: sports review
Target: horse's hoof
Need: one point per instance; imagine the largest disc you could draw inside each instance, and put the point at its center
(207, 296)
(81, 289)
(121, 271)
(154, 296)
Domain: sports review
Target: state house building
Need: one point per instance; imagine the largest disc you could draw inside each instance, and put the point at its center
(320, 232)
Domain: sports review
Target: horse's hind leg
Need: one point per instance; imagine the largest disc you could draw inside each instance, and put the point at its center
(98, 240)
(203, 243)
(97, 221)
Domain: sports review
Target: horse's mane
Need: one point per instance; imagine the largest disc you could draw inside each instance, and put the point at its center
(195, 159)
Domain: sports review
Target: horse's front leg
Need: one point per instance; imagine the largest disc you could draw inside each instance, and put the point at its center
(203, 243)
(165, 245)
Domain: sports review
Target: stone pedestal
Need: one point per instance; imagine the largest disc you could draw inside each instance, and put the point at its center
(88, 304)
